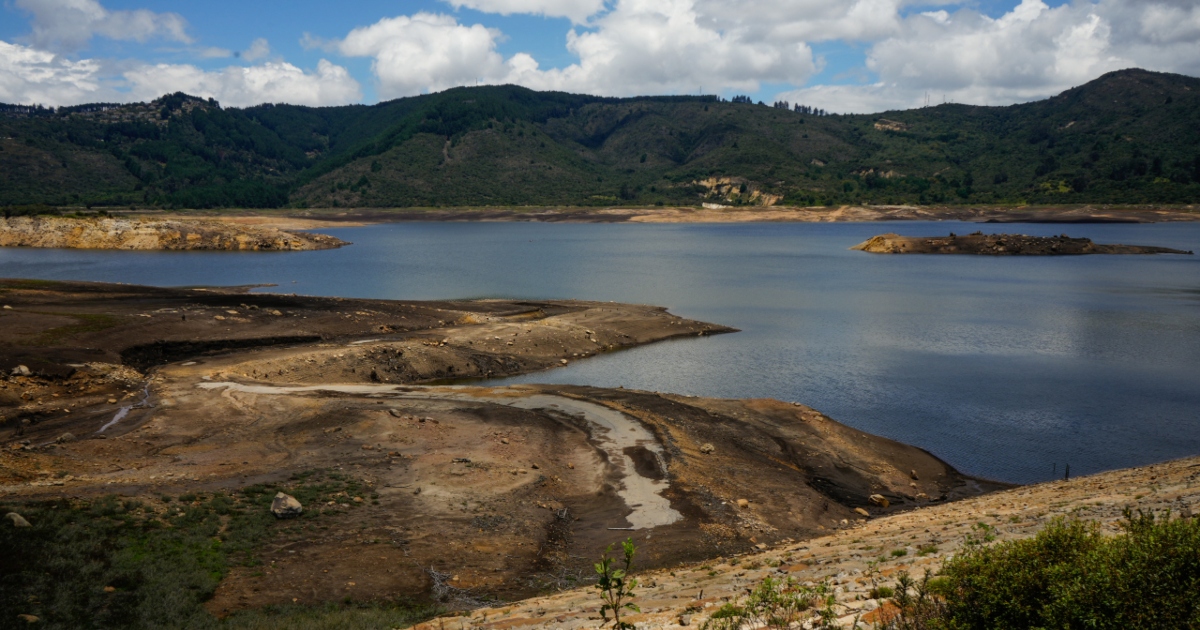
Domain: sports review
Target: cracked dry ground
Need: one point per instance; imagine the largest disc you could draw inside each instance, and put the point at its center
(469, 491)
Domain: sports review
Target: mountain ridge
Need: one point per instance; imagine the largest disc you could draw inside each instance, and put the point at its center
(1127, 137)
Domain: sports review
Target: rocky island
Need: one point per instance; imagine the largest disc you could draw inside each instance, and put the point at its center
(982, 244)
(155, 234)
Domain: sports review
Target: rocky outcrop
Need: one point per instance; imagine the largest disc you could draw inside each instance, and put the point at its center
(1000, 245)
(154, 234)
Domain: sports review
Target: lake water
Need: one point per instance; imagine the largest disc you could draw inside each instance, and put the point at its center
(1007, 368)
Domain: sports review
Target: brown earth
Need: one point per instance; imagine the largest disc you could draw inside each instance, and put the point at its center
(155, 234)
(856, 560)
(467, 491)
(1000, 245)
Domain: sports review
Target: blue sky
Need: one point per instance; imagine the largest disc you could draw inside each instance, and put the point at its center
(843, 55)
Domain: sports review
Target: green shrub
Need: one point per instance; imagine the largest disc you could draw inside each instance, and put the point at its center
(1068, 576)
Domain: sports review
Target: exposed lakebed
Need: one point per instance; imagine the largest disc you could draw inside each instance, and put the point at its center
(1005, 367)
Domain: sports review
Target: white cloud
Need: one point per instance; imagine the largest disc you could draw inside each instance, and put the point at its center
(244, 86)
(640, 47)
(70, 24)
(1031, 52)
(426, 52)
(258, 49)
(576, 10)
(29, 76)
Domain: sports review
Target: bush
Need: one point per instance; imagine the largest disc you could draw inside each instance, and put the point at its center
(1068, 576)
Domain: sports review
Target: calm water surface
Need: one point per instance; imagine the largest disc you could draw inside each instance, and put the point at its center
(1005, 367)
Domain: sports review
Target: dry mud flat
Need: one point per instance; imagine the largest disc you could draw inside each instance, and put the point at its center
(155, 234)
(466, 490)
(1001, 245)
(856, 560)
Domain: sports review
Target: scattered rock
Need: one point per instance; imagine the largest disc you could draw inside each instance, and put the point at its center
(742, 503)
(862, 512)
(7, 307)
(913, 474)
(878, 499)
(504, 440)
(358, 499)
(21, 370)
(286, 506)
(708, 449)
(28, 618)
(112, 401)
(534, 466)
(685, 620)
(110, 589)
(17, 519)
(277, 313)
(395, 413)
(563, 361)
(66, 437)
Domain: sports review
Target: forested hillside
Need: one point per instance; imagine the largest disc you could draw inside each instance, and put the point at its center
(1128, 137)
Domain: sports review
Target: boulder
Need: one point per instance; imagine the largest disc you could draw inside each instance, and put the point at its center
(21, 370)
(17, 519)
(286, 506)
(708, 449)
(878, 499)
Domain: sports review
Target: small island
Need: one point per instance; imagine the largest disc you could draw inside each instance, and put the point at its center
(982, 244)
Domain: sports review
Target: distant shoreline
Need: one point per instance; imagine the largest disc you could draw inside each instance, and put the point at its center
(317, 218)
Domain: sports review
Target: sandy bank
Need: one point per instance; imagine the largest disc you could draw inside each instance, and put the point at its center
(155, 234)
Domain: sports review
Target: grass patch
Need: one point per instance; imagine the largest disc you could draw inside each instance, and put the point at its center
(86, 323)
(121, 563)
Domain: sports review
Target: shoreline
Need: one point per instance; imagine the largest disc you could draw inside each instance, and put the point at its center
(149, 392)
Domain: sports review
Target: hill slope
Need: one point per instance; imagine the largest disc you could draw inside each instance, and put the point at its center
(1127, 137)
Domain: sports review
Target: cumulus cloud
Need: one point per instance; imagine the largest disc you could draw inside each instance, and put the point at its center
(641, 46)
(71, 24)
(1031, 52)
(575, 10)
(258, 49)
(31, 76)
(244, 86)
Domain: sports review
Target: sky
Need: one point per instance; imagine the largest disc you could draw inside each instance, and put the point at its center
(845, 56)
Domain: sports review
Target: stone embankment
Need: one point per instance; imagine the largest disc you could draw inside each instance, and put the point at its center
(1000, 245)
(870, 554)
(154, 234)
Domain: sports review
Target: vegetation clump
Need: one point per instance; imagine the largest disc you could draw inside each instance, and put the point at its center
(1068, 576)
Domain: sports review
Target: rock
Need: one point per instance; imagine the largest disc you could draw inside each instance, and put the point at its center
(110, 589)
(277, 313)
(708, 449)
(862, 512)
(17, 519)
(28, 618)
(913, 474)
(358, 499)
(563, 361)
(112, 401)
(878, 499)
(760, 546)
(286, 506)
(395, 413)
(504, 440)
(66, 437)
(742, 503)
(21, 370)
(7, 307)
(534, 466)
(685, 620)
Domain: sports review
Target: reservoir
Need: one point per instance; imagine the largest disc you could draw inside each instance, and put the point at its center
(1006, 367)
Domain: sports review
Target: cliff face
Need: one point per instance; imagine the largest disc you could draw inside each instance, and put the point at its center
(154, 234)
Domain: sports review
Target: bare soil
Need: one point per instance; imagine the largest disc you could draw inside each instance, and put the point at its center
(468, 491)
